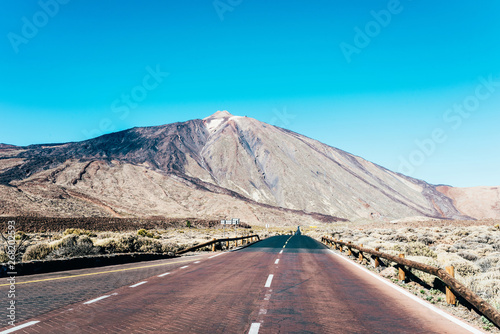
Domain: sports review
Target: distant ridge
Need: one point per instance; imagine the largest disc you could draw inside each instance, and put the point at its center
(219, 166)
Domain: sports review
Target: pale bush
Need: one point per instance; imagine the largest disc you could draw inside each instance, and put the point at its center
(3, 257)
(487, 286)
(467, 255)
(445, 248)
(79, 231)
(415, 249)
(484, 251)
(148, 245)
(73, 245)
(426, 240)
(130, 244)
(462, 266)
(37, 252)
(491, 261)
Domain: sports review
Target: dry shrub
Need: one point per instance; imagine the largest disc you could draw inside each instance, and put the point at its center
(73, 245)
(491, 261)
(487, 285)
(79, 231)
(468, 255)
(37, 252)
(415, 249)
(462, 266)
(130, 244)
(426, 240)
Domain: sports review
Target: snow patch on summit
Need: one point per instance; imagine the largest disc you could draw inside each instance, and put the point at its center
(214, 121)
(213, 124)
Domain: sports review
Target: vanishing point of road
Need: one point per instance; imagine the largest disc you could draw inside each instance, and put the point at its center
(283, 284)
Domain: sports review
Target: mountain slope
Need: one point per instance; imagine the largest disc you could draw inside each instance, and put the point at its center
(477, 202)
(229, 161)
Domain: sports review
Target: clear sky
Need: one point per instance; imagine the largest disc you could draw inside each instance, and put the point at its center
(411, 85)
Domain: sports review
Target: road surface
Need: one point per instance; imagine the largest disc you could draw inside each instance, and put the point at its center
(283, 284)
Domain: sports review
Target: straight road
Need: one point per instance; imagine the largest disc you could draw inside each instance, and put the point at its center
(283, 284)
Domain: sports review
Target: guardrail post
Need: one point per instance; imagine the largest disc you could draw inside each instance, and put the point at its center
(349, 252)
(401, 275)
(213, 245)
(450, 297)
(227, 243)
(360, 257)
(376, 261)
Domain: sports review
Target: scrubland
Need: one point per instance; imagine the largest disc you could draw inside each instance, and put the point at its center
(80, 242)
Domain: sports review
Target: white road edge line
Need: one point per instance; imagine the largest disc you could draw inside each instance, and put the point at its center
(268, 282)
(415, 298)
(14, 329)
(254, 328)
(277, 260)
(211, 257)
(137, 284)
(165, 274)
(96, 300)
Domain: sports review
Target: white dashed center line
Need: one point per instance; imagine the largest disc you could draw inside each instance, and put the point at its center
(281, 251)
(277, 260)
(97, 299)
(165, 274)
(14, 329)
(254, 328)
(183, 267)
(197, 262)
(268, 282)
(137, 284)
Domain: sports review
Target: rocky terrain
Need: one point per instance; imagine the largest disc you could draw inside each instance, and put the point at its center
(221, 166)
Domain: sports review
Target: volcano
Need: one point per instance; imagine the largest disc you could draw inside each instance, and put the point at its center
(216, 167)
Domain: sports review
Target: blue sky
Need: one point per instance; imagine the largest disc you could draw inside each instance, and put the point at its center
(411, 85)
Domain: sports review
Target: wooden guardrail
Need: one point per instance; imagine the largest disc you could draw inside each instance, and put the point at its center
(480, 304)
(244, 240)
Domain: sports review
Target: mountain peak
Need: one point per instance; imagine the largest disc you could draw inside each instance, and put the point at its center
(219, 114)
(214, 121)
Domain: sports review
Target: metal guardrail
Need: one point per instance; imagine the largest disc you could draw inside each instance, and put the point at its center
(244, 240)
(480, 304)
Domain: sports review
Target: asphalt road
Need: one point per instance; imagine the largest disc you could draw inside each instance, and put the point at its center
(283, 284)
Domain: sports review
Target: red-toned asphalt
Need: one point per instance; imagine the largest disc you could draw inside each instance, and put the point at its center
(311, 291)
